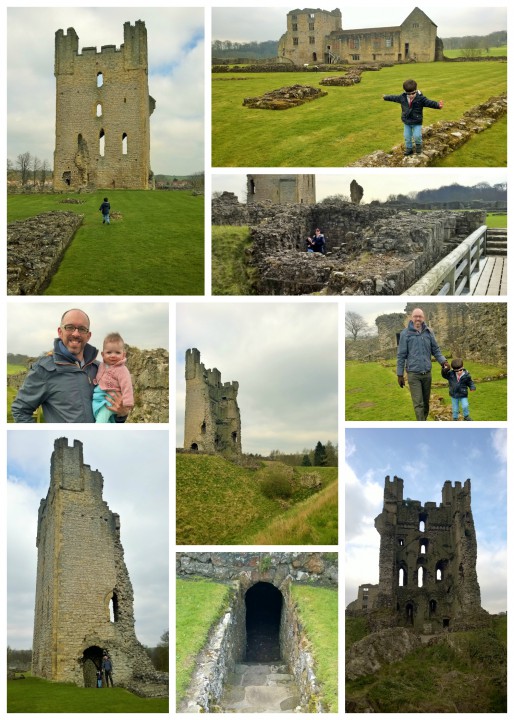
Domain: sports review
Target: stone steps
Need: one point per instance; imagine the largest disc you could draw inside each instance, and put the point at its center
(260, 688)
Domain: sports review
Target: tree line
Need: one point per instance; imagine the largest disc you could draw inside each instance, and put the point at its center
(320, 456)
(29, 169)
(229, 49)
(494, 39)
(455, 193)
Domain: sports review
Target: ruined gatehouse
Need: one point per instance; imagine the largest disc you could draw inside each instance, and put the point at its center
(427, 564)
(84, 598)
(212, 418)
(103, 108)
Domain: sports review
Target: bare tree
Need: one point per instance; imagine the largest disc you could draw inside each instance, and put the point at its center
(23, 161)
(355, 324)
(45, 169)
(198, 181)
(36, 165)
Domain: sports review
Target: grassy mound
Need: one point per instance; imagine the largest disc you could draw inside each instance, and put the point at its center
(155, 248)
(465, 672)
(221, 503)
(200, 603)
(231, 274)
(34, 695)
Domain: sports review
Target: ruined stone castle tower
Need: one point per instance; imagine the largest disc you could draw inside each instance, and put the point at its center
(102, 125)
(84, 597)
(280, 189)
(428, 553)
(213, 421)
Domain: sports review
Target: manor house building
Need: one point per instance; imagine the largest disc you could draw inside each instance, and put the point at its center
(317, 36)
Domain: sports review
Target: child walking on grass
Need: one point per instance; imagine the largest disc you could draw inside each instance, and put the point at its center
(459, 381)
(112, 376)
(413, 101)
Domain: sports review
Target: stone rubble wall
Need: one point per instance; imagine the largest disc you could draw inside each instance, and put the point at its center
(150, 379)
(227, 210)
(35, 248)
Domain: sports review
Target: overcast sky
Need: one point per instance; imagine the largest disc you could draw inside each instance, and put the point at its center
(284, 356)
(378, 183)
(31, 328)
(175, 78)
(269, 23)
(425, 460)
(136, 478)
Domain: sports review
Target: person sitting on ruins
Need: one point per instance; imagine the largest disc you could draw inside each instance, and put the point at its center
(105, 209)
(413, 101)
(316, 243)
(112, 375)
(459, 381)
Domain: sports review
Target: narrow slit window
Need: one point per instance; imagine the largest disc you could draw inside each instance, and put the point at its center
(99, 110)
(124, 143)
(99, 79)
(102, 143)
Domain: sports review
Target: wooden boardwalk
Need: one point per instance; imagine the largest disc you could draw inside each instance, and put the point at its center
(491, 278)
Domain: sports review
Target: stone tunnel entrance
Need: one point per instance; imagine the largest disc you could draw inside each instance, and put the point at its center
(263, 612)
(91, 663)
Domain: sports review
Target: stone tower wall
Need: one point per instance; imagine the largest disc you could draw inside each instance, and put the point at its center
(304, 40)
(437, 542)
(125, 111)
(80, 572)
(280, 189)
(212, 418)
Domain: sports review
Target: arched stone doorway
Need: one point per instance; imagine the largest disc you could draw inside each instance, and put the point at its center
(263, 603)
(91, 663)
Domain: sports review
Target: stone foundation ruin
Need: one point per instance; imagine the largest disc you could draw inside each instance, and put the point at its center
(371, 249)
(260, 600)
(81, 578)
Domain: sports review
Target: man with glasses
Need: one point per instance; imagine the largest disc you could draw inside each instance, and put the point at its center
(413, 101)
(61, 382)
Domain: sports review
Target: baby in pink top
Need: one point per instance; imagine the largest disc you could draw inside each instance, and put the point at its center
(112, 376)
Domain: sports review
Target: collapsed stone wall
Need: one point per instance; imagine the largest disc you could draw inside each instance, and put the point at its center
(150, 379)
(80, 572)
(227, 210)
(473, 331)
(371, 249)
(35, 248)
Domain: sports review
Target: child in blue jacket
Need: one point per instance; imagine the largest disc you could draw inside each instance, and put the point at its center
(413, 101)
(459, 381)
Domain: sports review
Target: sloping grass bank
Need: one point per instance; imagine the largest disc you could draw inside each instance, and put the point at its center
(200, 603)
(156, 248)
(318, 610)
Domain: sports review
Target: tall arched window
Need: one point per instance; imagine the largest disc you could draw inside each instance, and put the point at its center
(124, 143)
(99, 110)
(102, 143)
(420, 577)
(401, 577)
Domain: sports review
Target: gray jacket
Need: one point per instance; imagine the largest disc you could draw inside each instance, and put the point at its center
(61, 387)
(415, 350)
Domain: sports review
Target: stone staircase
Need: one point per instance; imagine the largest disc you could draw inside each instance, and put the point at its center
(497, 241)
(260, 688)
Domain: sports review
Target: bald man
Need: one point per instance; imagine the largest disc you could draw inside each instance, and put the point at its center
(61, 382)
(415, 349)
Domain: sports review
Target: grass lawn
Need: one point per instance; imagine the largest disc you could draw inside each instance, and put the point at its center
(372, 392)
(496, 220)
(318, 611)
(500, 51)
(346, 124)
(479, 149)
(230, 272)
(199, 604)
(157, 248)
(34, 695)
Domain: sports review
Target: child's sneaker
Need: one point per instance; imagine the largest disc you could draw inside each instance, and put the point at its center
(408, 151)
(467, 417)
(419, 149)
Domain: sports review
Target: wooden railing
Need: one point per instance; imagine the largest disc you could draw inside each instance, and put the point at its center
(452, 275)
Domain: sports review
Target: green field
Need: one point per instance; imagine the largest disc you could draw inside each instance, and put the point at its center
(346, 124)
(373, 393)
(220, 503)
(465, 672)
(493, 52)
(34, 695)
(200, 603)
(479, 150)
(318, 613)
(231, 274)
(496, 220)
(156, 248)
